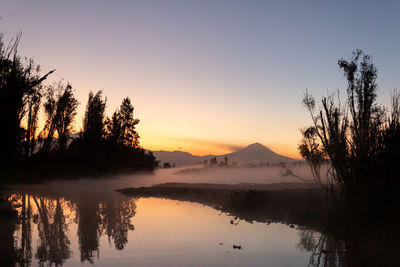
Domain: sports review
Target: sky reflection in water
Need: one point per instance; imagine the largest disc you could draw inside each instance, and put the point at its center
(146, 232)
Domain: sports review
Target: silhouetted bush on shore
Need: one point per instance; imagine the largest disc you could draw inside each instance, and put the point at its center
(360, 140)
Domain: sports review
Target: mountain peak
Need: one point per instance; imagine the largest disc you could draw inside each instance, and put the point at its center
(255, 145)
(252, 154)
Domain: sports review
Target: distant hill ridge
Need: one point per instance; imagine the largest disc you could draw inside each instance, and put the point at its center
(252, 154)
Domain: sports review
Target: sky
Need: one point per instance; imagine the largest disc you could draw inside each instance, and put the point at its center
(207, 77)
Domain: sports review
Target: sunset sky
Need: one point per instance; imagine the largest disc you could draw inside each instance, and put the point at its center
(207, 76)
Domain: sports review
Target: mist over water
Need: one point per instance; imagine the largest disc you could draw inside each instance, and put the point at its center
(85, 186)
(221, 175)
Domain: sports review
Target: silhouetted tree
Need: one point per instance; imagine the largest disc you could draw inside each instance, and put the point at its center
(166, 165)
(50, 111)
(93, 122)
(66, 107)
(226, 159)
(121, 127)
(129, 136)
(33, 106)
(311, 151)
(213, 161)
(17, 83)
(113, 128)
(60, 111)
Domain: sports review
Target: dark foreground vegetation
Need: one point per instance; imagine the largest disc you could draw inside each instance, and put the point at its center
(102, 145)
(359, 139)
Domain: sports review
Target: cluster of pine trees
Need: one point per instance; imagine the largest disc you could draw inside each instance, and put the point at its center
(103, 144)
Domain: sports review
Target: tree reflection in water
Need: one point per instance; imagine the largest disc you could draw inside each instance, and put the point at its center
(48, 215)
(325, 249)
(364, 245)
(88, 220)
(54, 245)
(116, 214)
(51, 215)
(24, 251)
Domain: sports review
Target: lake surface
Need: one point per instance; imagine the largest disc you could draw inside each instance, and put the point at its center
(86, 222)
(147, 232)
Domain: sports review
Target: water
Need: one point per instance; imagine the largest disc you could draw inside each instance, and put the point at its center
(147, 232)
(85, 222)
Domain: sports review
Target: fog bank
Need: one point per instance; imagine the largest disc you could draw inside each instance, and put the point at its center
(99, 187)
